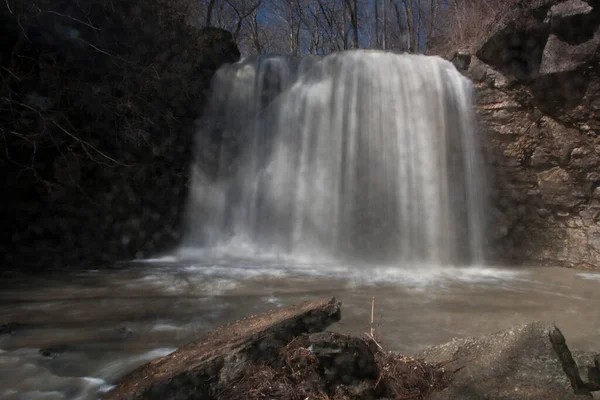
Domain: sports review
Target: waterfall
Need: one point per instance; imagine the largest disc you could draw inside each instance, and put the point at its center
(359, 155)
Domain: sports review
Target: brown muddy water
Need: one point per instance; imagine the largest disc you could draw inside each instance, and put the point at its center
(95, 326)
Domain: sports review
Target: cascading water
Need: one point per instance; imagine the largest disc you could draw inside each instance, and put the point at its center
(359, 155)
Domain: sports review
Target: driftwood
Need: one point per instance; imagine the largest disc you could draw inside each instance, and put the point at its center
(207, 367)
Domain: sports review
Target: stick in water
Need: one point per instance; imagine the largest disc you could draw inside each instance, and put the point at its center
(372, 313)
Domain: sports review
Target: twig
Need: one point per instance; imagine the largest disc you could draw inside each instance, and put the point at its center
(10, 72)
(22, 136)
(8, 5)
(87, 144)
(371, 335)
(83, 142)
(75, 19)
(372, 312)
(372, 338)
(22, 29)
(96, 48)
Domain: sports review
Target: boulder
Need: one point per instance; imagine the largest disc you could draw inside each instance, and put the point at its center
(589, 368)
(525, 362)
(539, 38)
(204, 368)
(346, 360)
(575, 37)
(514, 45)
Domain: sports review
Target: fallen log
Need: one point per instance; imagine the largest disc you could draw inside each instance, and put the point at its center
(204, 368)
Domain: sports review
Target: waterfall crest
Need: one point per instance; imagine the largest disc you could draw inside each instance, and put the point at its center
(359, 155)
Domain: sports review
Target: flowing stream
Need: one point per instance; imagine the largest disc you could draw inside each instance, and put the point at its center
(98, 325)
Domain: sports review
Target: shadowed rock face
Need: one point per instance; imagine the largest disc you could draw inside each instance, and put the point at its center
(525, 362)
(108, 109)
(204, 368)
(538, 103)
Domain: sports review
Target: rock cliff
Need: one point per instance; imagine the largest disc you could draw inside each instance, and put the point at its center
(98, 101)
(538, 88)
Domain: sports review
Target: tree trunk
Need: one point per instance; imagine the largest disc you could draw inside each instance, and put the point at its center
(384, 20)
(376, 25)
(209, 11)
(353, 7)
(344, 31)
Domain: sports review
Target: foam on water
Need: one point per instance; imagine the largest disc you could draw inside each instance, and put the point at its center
(227, 275)
(112, 371)
(24, 374)
(590, 275)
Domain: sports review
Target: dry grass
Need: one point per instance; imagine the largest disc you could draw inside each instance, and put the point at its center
(466, 23)
(296, 374)
(404, 377)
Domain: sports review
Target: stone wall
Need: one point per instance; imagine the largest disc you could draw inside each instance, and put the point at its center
(538, 102)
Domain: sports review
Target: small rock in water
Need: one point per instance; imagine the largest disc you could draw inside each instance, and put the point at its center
(9, 328)
(125, 331)
(53, 351)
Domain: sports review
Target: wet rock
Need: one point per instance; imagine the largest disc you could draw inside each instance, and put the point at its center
(124, 332)
(346, 359)
(10, 328)
(206, 367)
(525, 362)
(53, 351)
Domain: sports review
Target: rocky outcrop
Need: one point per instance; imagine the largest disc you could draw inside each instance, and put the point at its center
(538, 89)
(525, 362)
(98, 104)
(207, 367)
(589, 368)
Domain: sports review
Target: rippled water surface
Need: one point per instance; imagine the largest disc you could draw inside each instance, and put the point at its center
(95, 326)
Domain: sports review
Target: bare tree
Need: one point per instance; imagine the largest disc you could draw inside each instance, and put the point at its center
(377, 41)
(332, 28)
(209, 12)
(322, 26)
(352, 6)
(243, 9)
(384, 21)
(255, 33)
